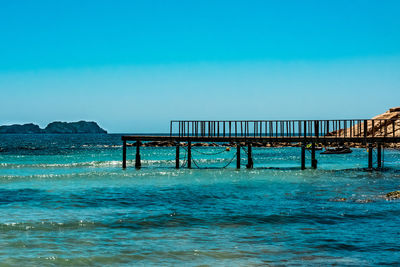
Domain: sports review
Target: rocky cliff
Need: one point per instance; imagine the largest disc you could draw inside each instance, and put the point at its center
(80, 127)
(29, 128)
(393, 115)
(381, 126)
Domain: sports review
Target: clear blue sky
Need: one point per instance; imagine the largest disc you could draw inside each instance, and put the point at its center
(134, 65)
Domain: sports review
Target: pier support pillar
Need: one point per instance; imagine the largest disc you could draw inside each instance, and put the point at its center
(138, 164)
(313, 160)
(177, 156)
(249, 157)
(189, 160)
(303, 156)
(379, 155)
(370, 149)
(238, 156)
(124, 155)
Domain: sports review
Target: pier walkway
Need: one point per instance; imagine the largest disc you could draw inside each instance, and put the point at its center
(368, 132)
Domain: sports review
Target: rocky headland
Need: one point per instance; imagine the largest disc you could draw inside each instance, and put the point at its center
(382, 126)
(28, 128)
(57, 127)
(80, 127)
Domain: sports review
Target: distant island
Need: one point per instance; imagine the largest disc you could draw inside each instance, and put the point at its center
(57, 127)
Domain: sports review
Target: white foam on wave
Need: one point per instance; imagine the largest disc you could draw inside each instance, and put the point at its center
(62, 165)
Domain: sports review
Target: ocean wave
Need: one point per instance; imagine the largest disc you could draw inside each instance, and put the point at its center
(48, 225)
(110, 163)
(54, 148)
(61, 165)
(94, 174)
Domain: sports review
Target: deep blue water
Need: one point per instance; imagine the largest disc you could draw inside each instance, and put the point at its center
(64, 200)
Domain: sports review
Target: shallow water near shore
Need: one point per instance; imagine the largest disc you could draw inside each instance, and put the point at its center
(65, 200)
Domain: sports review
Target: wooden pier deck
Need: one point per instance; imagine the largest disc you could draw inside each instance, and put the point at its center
(370, 133)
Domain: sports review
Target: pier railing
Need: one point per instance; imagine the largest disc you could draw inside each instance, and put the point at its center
(351, 128)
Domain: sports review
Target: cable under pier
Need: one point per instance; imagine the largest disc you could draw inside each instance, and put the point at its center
(243, 134)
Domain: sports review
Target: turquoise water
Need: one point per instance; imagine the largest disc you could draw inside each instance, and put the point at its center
(64, 200)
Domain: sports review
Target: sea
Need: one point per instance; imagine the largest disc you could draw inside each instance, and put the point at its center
(66, 201)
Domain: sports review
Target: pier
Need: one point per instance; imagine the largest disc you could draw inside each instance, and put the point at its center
(367, 132)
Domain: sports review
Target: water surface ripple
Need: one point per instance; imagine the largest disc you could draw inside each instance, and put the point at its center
(66, 201)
